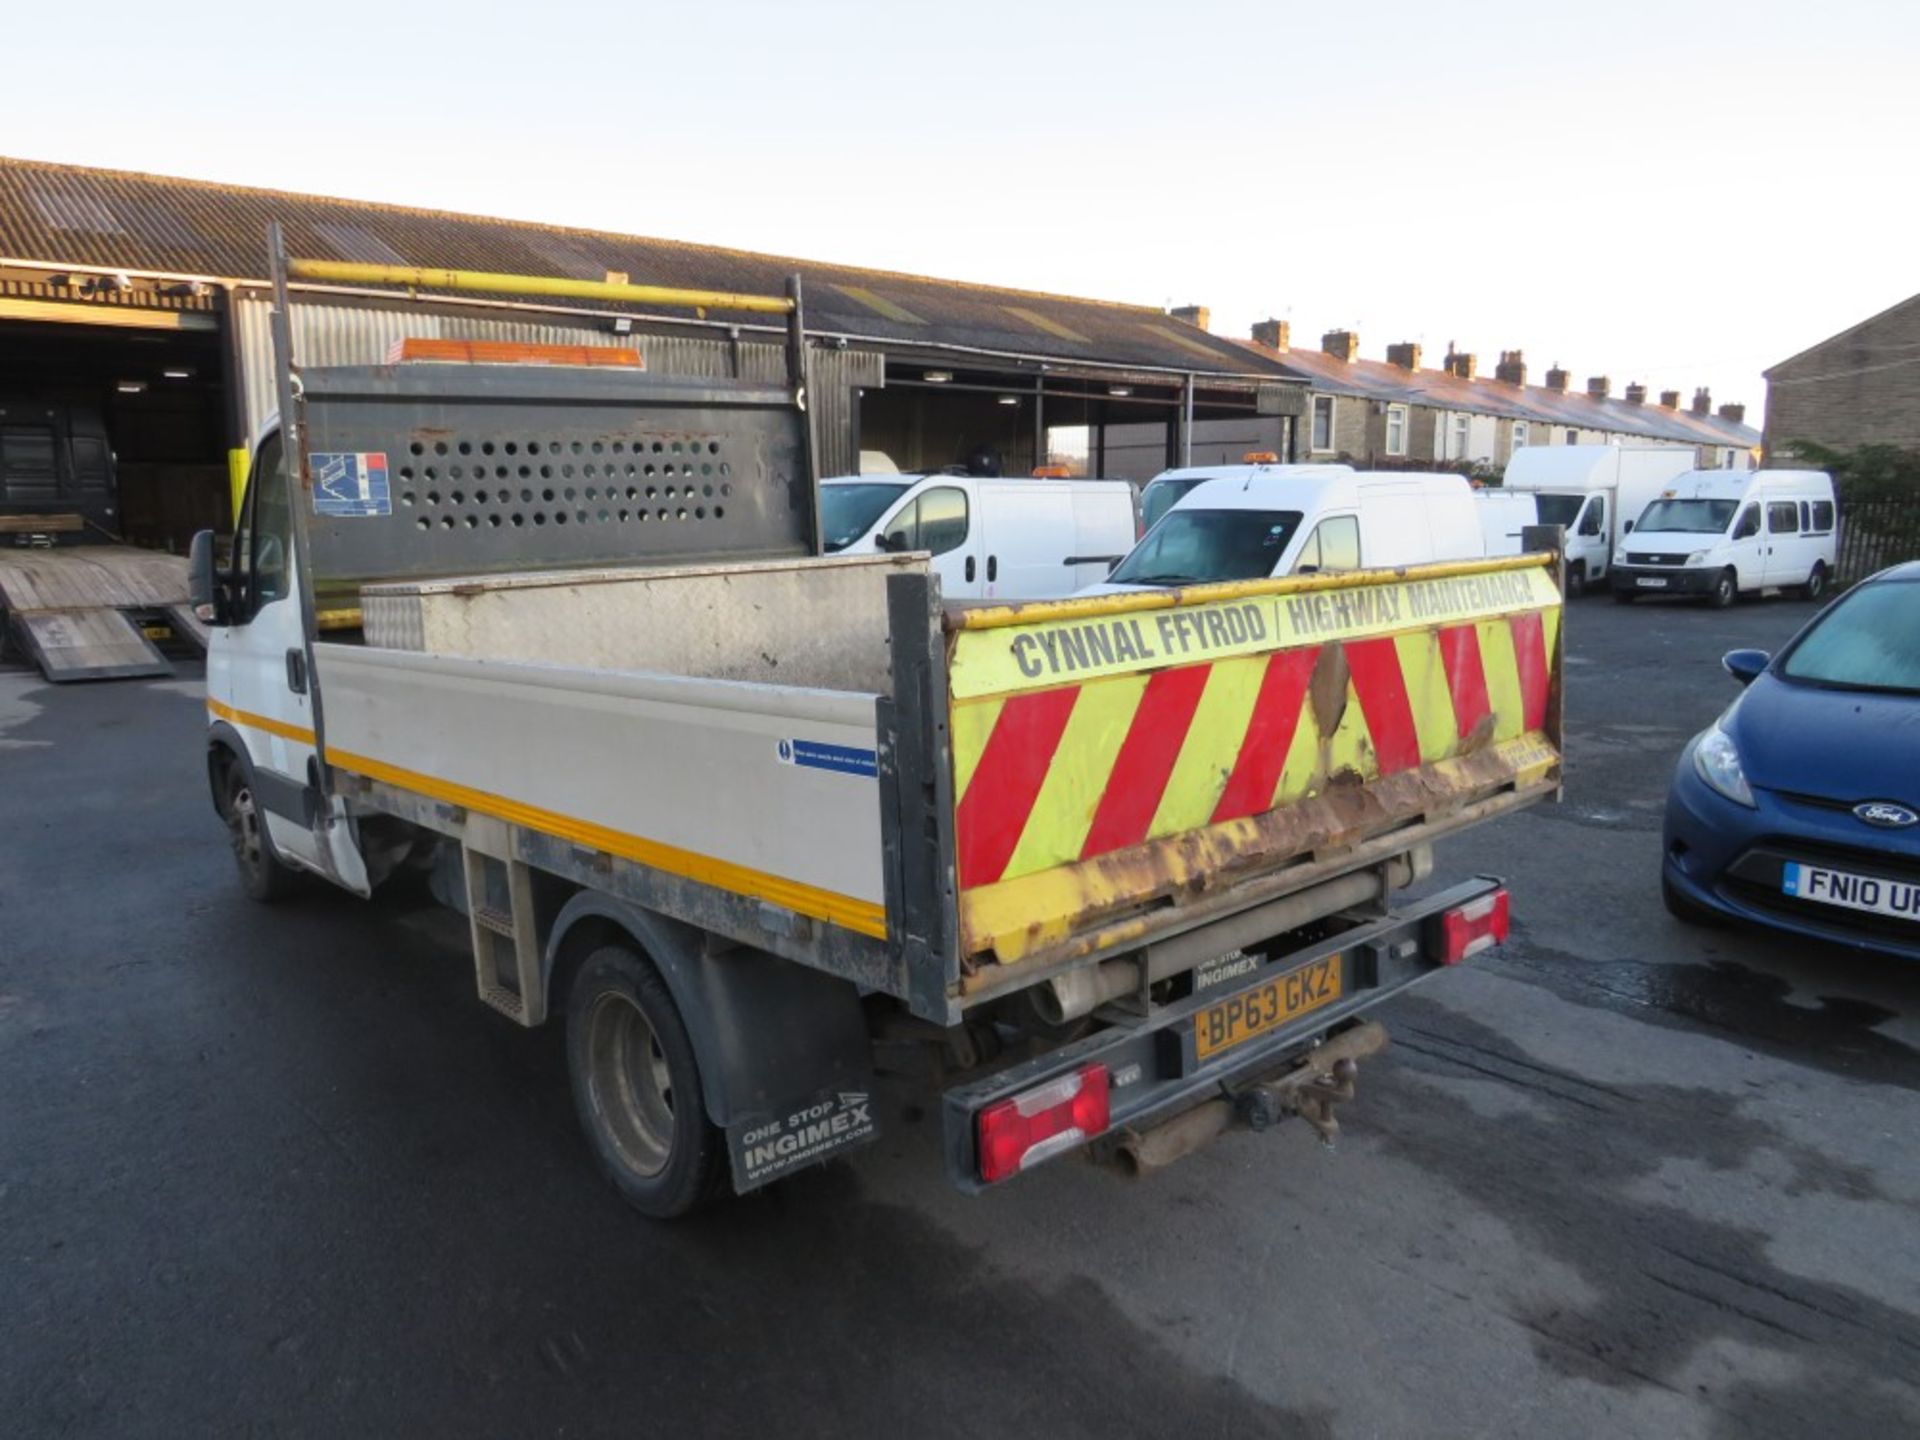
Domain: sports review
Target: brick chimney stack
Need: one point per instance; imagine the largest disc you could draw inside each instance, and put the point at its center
(1195, 315)
(1702, 401)
(1599, 387)
(1341, 344)
(1274, 334)
(1512, 369)
(1460, 364)
(1670, 399)
(1406, 355)
(1636, 393)
(1557, 379)
(1736, 413)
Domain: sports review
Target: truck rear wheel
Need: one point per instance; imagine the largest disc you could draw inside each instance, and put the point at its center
(636, 1086)
(262, 875)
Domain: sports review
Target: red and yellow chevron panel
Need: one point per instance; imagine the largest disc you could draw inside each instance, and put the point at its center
(1079, 732)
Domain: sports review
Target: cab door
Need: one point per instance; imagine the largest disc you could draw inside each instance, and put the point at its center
(1746, 547)
(1591, 541)
(941, 521)
(257, 679)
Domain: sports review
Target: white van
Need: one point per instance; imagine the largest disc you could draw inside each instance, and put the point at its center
(1720, 534)
(1247, 522)
(1592, 490)
(1004, 539)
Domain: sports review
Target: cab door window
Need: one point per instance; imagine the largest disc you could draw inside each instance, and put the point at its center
(1594, 521)
(935, 522)
(1335, 543)
(263, 546)
(1748, 524)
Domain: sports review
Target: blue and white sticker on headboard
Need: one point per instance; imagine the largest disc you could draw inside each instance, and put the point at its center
(350, 482)
(819, 755)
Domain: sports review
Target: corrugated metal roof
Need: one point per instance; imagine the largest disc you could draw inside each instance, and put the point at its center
(1378, 380)
(73, 215)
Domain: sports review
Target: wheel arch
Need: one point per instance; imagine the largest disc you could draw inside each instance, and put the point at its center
(226, 748)
(761, 1026)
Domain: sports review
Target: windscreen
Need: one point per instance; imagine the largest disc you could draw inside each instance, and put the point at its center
(1689, 517)
(1869, 641)
(1560, 509)
(1193, 547)
(848, 512)
(1161, 497)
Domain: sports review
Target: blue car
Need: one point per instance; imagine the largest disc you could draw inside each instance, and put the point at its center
(1799, 808)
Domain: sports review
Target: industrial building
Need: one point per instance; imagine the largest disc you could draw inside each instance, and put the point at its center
(136, 306)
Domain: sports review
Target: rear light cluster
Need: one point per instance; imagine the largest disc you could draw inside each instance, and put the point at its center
(1466, 930)
(1038, 1124)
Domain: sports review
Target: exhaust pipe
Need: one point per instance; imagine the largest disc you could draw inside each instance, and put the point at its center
(1081, 992)
(1311, 1089)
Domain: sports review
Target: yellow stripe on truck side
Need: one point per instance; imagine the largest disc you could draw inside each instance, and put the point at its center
(847, 911)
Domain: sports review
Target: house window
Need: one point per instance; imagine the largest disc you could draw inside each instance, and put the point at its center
(1519, 434)
(1323, 422)
(1729, 459)
(1573, 436)
(1396, 429)
(1460, 430)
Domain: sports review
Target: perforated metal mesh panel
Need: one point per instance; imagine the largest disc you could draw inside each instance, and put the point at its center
(494, 468)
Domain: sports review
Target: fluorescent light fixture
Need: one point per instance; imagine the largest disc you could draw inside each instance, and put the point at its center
(131, 387)
(937, 377)
(177, 372)
(1121, 391)
(1009, 399)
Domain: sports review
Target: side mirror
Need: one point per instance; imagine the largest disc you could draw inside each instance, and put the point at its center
(1628, 530)
(203, 585)
(894, 544)
(1745, 665)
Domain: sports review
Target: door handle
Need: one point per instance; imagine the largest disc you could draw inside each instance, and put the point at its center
(993, 567)
(297, 671)
(970, 567)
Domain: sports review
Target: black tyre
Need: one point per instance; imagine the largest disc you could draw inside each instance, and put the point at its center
(262, 875)
(636, 1086)
(1684, 910)
(1576, 581)
(1816, 585)
(1726, 589)
(1624, 597)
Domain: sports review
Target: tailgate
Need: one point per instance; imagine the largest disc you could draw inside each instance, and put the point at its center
(1118, 757)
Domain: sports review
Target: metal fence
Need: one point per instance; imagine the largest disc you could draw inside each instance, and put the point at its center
(1875, 534)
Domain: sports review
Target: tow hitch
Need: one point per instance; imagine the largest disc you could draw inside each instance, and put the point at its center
(1323, 1079)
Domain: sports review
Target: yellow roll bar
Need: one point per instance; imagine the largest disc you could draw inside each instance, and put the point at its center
(347, 272)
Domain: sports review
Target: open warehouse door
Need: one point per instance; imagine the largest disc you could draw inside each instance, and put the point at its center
(113, 417)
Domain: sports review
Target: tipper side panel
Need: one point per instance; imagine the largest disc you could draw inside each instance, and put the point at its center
(1133, 751)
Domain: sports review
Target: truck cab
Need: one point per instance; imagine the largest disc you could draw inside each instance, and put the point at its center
(1594, 492)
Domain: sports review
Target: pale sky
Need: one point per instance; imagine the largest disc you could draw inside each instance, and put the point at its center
(1677, 193)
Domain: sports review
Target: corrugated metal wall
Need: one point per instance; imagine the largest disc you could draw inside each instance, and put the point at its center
(361, 335)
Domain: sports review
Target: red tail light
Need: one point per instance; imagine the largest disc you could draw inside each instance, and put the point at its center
(1466, 930)
(1042, 1122)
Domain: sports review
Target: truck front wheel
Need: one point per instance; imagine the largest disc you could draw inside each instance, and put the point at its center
(262, 875)
(636, 1085)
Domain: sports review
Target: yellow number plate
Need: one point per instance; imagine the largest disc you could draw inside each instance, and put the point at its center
(1266, 1007)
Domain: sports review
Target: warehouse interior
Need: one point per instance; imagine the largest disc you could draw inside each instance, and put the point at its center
(152, 382)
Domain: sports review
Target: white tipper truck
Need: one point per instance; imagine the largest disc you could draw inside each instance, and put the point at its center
(561, 641)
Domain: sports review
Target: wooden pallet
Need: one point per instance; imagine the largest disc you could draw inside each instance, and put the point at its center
(74, 608)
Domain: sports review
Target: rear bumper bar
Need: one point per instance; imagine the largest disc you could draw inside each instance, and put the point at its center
(1160, 1065)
